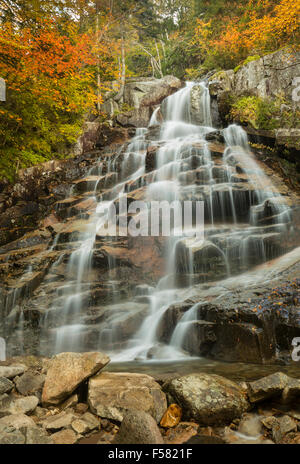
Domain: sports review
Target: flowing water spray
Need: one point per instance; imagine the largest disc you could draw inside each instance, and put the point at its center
(244, 216)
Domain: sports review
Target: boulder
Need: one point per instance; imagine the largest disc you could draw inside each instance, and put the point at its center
(16, 421)
(150, 162)
(143, 96)
(281, 426)
(172, 416)
(112, 395)
(138, 428)
(199, 110)
(202, 255)
(182, 433)
(5, 385)
(269, 76)
(67, 371)
(10, 372)
(24, 405)
(273, 386)
(14, 405)
(65, 437)
(30, 383)
(207, 399)
(87, 423)
(58, 421)
(36, 436)
(12, 437)
(88, 140)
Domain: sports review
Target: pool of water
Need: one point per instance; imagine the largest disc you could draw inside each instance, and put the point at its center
(161, 371)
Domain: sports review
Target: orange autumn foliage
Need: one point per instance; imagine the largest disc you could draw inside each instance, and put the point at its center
(52, 63)
(50, 68)
(264, 26)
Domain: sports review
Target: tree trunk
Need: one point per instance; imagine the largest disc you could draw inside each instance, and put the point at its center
(158, 60)
(123, 76)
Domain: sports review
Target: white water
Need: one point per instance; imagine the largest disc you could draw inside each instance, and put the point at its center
(183, 153)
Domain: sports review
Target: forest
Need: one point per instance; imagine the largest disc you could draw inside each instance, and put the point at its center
(58, 57)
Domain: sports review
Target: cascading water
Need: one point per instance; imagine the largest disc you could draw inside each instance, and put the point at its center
(244, 216)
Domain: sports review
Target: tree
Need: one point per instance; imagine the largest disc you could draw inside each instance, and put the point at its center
(50, 65)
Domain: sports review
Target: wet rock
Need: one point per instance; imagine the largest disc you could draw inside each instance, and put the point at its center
(235, 438)
(10, 372)
(268, 422)
(182, 433)
(29, 383)
(272, 386)
(250, 425)
(172, 416)
(142, 96)
(291, 439)
(291, 391)
(67, 371)
(150, 162)
(112, 395)
(65, 437)
(208, 399)
(205, 256)
(282, 426)
(5, 385)
(198, 113)
(138, 428)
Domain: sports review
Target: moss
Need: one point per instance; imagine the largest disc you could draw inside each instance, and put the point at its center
(218, 76)
(258, 112)
(246, 61)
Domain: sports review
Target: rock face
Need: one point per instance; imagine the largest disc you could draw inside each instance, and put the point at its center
(245, 325)
(142, 97)
(197, 116)
(200, 107)
(271, 75)
(138, 428)
(208, 399)
(67, 371)
(26, 203)
(88, 141)
(265, 77)
(112, 395)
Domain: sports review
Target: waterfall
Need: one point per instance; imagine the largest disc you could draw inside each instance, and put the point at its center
(87, 305)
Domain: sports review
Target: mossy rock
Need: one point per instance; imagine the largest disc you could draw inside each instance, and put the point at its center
(246, 61)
